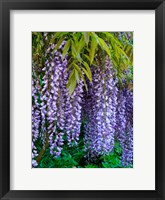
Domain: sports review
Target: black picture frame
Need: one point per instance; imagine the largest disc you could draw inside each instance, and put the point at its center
(5, 7)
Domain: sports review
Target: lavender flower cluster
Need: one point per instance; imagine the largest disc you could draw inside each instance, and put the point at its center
(101, 104)
(124, 128)
(59, 113)
(36, 118)
(109, 116)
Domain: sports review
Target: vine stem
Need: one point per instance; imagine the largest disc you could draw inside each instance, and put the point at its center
(41, 153)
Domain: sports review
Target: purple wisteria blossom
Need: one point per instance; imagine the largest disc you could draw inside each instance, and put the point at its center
(101, 103)
(125, 126)
(127, 158)
(61, 112)
(36, 118)
(73, 115)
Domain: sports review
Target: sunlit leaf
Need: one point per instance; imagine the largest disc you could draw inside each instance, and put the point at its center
(95, 36)
(77, 68)
(71, 82)
(112, 37)
(81, 44)
(73, 49)
(66, 48)
(122, 52)
(87, 57)
(71, 76)
(92, 49)
(72, 86)
(85, 71)
(56, 36)
(88, 70)
(86, 37)
(81, 75)
(69, 67)
(77, 76)
(75, 37)
(104, 46)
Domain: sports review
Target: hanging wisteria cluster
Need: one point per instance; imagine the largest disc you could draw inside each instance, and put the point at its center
(124, 127)
(106, 107)
(58, 113)
(36, 117)
(109, 116)
(101, 104)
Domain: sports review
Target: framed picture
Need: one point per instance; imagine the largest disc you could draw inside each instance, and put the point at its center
(82, 95)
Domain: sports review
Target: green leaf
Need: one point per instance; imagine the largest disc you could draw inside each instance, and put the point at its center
(128, 49)
(57, 35)
(116, 53)
(71, 76)
(94, 35)
(81, 74)
(73, 49)
(86, 38)
(77, 76)
(69, 67)
(104, 46)
(122, 53)
(92, 49)
(78, 57)
(74, 162)
(81, 44)
(75, 37)
(112, 37)
(87, 74)
(58, 43)
(87, 57)
(77, 68)
(88, 70)
(105, 164)
(72, 82)
(66, 48)
(41, 80)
